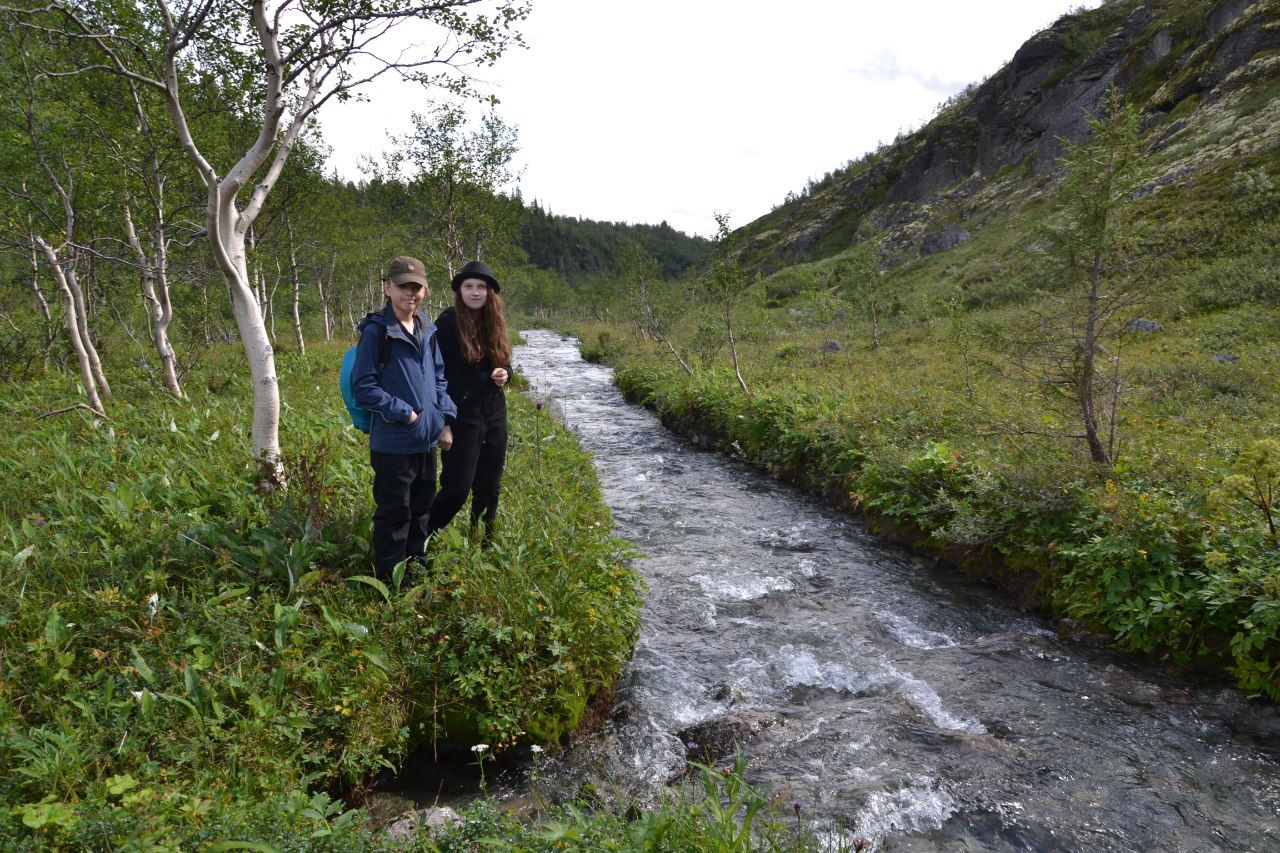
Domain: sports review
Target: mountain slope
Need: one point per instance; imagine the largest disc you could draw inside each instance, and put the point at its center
(1205, 73)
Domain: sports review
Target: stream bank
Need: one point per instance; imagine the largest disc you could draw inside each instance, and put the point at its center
(881, 697)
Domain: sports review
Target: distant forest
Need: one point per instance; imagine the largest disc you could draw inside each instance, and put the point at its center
(582, 248)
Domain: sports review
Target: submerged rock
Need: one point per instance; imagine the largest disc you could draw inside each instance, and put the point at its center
(427, 821)
(1129, 689)
(711, 740)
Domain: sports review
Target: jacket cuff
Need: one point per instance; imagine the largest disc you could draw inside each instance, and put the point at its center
(450, 420)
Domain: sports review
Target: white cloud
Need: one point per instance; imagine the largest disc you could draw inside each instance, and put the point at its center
(673, 109)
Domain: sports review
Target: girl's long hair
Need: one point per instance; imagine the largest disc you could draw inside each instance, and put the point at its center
(484, 332)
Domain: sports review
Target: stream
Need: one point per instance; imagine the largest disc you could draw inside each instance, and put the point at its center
(885, 699)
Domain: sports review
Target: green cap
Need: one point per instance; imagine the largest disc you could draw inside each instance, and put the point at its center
(404, 270)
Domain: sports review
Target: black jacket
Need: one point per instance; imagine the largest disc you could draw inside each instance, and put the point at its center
(470, 385)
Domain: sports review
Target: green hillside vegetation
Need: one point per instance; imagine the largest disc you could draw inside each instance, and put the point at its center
(928, 381)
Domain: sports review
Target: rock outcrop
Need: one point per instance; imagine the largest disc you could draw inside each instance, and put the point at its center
(1172, 58)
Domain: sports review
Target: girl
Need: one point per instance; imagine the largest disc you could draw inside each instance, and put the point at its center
(477, 363)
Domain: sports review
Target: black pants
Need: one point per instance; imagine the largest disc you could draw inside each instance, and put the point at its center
(473, 465)
(403, 486)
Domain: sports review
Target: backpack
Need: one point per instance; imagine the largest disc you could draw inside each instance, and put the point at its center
(362, 418)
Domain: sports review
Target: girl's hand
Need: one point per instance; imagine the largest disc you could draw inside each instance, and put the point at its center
(499, 376)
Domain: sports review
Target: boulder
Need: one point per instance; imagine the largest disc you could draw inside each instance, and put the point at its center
(947, 238)
(1138, 324)
(711, 740)
(427, 821)
(831, 346)
(1225, 357)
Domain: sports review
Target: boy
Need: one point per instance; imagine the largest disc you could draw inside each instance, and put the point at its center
(399, 377)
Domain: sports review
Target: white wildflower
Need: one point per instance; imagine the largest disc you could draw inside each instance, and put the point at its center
(479, 748)
(535, 749)
(153, 604)
(137, 694)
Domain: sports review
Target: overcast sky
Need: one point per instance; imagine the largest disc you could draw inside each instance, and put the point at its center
(675, 109)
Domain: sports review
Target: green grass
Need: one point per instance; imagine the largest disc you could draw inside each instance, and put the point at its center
(184, 660)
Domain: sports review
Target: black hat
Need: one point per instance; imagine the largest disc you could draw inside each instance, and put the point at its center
(476, 269)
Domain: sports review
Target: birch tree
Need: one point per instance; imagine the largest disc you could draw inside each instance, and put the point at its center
(1101, 270)
(858, 276)
(151, 169)
(728, 285)
(652, 308)
(293, 57)
(46, 190)
(457, 179)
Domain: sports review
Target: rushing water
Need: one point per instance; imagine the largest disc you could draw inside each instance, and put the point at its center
(893, 699)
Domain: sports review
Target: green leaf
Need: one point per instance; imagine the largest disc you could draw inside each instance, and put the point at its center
(226, 596)
(378, 657)
(148, 675)
(117, 785)
(21, 557)
(376, 584)
(55, 628)
(220, 846)
(46, 813)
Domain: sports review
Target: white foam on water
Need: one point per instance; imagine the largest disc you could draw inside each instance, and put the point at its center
(663, 687)
(790, 538)
(910, 634)
(807, 567)
(917, 807)
(801, 668)
(741, 586)
(924, 697)
(656, 755)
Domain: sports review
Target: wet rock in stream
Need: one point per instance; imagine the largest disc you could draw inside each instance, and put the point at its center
(428, 821)
(711, 740)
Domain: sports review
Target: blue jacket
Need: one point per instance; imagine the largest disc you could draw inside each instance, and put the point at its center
(411, 381)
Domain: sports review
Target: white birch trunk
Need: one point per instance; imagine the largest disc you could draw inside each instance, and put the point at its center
(228, 246)
(40, 300)
(155, 295)
(73, 327)
(325, 293)
(297, 290)
(82, 321)
(271, 303)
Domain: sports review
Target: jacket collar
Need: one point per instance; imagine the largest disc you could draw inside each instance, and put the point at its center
(394, 330)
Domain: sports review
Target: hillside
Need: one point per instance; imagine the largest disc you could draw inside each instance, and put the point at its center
(1205, 74)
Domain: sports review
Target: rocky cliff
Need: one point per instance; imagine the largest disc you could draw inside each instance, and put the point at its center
(1207, 75)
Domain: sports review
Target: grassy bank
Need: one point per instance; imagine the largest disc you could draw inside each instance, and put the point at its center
(185, 661)
(1149, 550)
